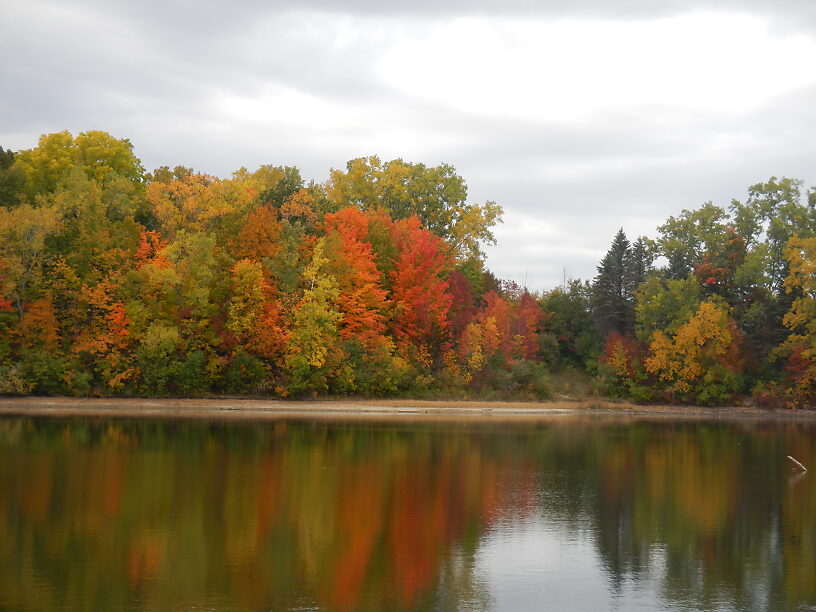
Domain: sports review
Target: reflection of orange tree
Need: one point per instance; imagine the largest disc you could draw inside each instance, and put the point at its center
(367, 517)
(360, 522)
(347, 521)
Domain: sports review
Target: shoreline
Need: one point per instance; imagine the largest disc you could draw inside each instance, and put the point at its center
(376, 410)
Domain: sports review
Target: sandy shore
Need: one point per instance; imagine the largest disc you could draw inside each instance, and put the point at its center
(255, 409)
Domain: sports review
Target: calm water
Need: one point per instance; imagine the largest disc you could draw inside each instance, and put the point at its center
(565, 515)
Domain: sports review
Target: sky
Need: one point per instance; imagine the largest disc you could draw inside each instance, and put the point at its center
(578, 117)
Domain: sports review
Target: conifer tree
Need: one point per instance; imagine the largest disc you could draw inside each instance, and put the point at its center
(612, 299)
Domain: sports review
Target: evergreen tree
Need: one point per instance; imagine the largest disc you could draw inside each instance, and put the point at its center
(612, 291)
(639, 266)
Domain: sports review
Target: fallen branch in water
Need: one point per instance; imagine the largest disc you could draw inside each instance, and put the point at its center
(804, 469)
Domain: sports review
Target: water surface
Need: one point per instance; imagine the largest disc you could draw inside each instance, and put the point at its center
(569, 514)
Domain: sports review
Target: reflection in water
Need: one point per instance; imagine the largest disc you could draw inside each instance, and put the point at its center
(569, 514)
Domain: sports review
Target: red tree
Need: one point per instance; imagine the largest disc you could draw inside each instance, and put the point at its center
(419, 285)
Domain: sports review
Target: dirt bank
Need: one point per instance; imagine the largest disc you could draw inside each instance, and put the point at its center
(255, 409)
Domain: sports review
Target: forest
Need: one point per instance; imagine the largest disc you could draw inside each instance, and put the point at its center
(116, 281)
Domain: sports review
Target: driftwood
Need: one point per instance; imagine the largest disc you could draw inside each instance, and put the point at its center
(802, 467)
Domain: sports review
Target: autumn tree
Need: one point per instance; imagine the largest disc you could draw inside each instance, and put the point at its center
(198, 202)
(665, 304)
(525, 326)
(313, 353)
(104, 341)
(23, 233)
(486, 343)
(259, 238)
(419, 288)
(39, 345)
(702, 361)
(246, 304)
(801, 321)
(623, 358)
(8, 319)
(435, 195)
(101, 156)
(362, 300)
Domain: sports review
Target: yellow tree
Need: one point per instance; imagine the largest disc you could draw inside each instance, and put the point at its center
(313, 353)
(99, 154)
(197, 202)
(801, 320)
(246, 303)
(701, 363)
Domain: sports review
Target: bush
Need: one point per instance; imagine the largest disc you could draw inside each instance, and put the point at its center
(245, 373)
(12, 382)
(43, 370)
(531, 378)
(189, 378)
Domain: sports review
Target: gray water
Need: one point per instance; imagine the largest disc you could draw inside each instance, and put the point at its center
(569, 514)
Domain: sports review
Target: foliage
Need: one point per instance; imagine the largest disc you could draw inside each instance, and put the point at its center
(801, 320)
(14, 382)
(665, 304)
(571, 336)
(435, 195)
(100, 156)
(701, 362)
(623, 358)
(114, 281)
(419, 287)
(314, 354)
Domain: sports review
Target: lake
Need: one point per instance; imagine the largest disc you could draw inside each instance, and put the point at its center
(562, 514)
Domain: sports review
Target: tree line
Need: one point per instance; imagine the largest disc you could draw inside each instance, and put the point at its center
(119, 281)
(731, 310)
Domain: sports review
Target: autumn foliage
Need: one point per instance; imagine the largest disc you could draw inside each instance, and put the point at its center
(702, 362)
(175, 282)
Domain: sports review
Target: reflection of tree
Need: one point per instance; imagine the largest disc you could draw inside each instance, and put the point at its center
(178, 515)
(707, 505)
(164, 516)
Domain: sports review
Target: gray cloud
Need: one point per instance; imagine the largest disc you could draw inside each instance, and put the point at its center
(163, 75)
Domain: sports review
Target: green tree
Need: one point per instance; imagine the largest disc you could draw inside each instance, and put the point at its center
(685, 239)
(613, 291)
(665, 304)
(571, 336)
(12, 181)
(96, 217)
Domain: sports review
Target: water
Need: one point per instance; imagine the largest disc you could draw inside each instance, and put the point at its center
(569, 514)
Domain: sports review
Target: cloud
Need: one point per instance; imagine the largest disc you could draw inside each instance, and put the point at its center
(577, 116)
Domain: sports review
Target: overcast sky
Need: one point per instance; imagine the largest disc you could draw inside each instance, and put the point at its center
(577, 116)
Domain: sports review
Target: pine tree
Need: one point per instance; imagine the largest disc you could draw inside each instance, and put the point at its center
(612, 298)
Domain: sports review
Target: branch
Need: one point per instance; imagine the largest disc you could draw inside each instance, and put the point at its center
(804, 469)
